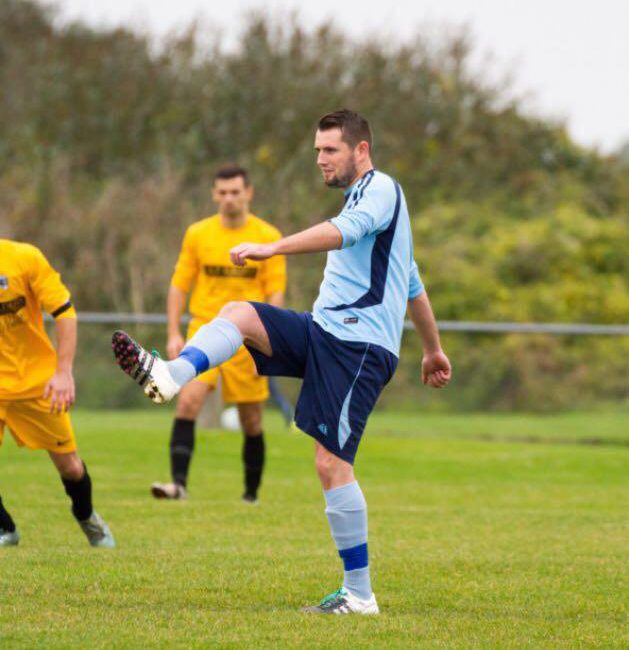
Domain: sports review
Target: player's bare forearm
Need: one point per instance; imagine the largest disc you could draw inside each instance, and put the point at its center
(66, 343)
(60, 387)
(421, 314)
(318, 239)
(175, 306)
(436, 368)
(276, 298)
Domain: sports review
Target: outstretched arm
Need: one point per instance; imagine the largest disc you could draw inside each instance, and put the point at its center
(436, 369)
(322, 237)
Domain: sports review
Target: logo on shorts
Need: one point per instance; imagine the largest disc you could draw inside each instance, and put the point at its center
(323, 428)
(4, 282)
(350, 321)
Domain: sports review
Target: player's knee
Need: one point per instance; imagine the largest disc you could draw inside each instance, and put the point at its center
(251, 423)
(188, 408)
(72, 469)
(238, 312)
(325, 466)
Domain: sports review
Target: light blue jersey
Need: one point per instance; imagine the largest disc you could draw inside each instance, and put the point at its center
(367, 283)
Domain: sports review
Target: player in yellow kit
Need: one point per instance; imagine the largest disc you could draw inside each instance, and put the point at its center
(36, 383)
(205, 269)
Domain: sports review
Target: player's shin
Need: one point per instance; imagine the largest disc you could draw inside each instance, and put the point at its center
(346, 510)
(253, 461)
(212, 345)
(181, 448)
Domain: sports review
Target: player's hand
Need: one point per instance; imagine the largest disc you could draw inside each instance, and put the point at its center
(436, 369)
(61, 391)
(243, 252)
(174, 345)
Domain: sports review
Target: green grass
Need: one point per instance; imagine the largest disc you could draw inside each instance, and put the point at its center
(473, 544)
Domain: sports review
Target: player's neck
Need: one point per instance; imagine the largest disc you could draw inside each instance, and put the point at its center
(362, 170)
(237, 221)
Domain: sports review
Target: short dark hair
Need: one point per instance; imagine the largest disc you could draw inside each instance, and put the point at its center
(231, 170)
(354, 127)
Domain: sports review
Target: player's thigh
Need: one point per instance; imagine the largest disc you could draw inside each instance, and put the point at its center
(288, 334)
(33, 426)
(241, 381)
(193, 394)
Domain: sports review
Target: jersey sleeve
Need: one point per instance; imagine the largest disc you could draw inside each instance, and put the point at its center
(369, 209)
(415, 284)
(48, 288)
(273, 270)
(187, 266)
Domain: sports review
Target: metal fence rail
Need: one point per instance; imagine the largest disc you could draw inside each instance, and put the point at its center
(445, 326)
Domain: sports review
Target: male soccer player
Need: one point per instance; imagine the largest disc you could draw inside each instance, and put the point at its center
(346, 350)
(205, 267)
(36, 384)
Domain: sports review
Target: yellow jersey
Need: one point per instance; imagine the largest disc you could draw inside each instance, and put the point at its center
(204, 265)
(27, 283)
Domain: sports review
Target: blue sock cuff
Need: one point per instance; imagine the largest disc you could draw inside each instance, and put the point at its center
(356, 557)
(195, 357)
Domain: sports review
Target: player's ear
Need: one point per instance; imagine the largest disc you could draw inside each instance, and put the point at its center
(363, 148)
(249, 192)
(214, 193)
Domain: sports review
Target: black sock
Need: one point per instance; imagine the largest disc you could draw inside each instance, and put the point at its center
(81, 494)
(253, 460)
(181, 448)
(6, 523)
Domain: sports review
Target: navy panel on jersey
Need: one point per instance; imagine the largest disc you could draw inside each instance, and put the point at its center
(342, 379)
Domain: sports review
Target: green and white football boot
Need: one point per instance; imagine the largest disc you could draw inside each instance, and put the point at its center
(344, 602)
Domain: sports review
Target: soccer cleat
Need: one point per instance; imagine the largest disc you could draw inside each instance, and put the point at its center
(97, 531)
(168, 491)
(9, 538)
(249, 498)
(144, 368)
(344, 602)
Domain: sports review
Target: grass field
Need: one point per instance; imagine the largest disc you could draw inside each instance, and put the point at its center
(485, 532)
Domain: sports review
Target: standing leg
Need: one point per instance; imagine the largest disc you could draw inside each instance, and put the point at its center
(78, 486)
(346, 510)
(189, 405)
(252, 448)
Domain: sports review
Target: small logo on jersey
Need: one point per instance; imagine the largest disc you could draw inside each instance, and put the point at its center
(323, 428)
(4, 282)
(351, 321)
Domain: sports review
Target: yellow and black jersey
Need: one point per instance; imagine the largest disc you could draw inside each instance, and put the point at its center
(27, 284)
(204, 265)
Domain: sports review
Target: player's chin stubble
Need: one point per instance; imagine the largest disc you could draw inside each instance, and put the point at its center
(344, 179)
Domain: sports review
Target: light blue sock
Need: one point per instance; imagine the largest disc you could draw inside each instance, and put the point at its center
(213, 344)
(346, 510)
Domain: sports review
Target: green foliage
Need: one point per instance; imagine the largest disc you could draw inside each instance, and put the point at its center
(104, 136)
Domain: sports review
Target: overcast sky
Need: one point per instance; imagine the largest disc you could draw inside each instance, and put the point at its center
(570, 58)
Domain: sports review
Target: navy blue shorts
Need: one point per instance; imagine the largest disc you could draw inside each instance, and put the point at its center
(342, 379)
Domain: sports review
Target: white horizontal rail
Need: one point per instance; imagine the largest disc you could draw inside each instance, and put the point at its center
(125, 318)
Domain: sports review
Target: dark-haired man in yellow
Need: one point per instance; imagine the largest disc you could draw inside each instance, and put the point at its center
(36, 383)
(205, 269)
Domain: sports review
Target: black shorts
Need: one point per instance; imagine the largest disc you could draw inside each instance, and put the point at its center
(342, 379)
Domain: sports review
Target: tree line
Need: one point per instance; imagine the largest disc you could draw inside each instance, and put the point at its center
(108, 143)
